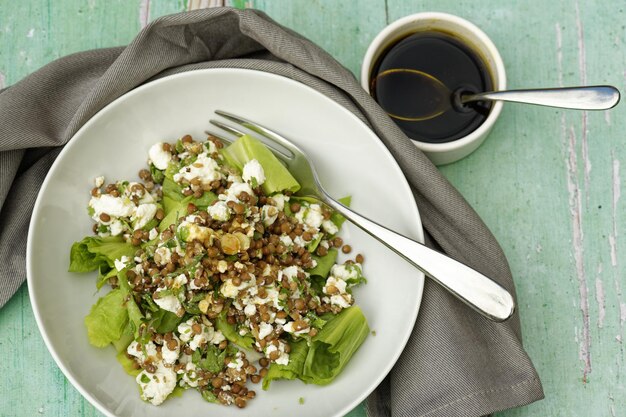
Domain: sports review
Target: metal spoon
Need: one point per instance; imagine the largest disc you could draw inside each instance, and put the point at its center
(422, 97)
(596, 97)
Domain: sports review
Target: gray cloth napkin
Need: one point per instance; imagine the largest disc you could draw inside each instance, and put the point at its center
(455, 364)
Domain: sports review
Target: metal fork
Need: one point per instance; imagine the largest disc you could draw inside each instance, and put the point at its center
(470, 286)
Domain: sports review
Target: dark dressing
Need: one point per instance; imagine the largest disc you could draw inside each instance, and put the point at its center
(416, 80)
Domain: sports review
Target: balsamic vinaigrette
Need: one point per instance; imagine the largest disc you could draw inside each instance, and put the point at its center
(416, 81)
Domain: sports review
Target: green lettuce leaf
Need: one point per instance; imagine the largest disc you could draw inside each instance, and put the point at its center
(134, 313)
(205, 201)
(108, 319)
(172, 190)
(328, 353)
(122, 343)
(104, 273)
(230, 332)
(178, 392)
(293, 369)
(127, 364)
(157, 174)
(175, 213)
(334, 345)
(93, 252)
(165, 321)
(337, 218)
(277, 177)
(324, 263)
(213, 360)
(209, 396)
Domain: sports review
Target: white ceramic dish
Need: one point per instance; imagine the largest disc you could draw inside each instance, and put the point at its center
(448, 152)
(350, 160)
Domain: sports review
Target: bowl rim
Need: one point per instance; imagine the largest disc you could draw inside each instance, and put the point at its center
(417, 233)
(489, 48)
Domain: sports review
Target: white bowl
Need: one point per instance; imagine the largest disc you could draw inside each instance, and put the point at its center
(477, 40)
(115, 142)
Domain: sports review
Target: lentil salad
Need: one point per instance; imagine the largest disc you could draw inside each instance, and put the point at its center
(213, 262)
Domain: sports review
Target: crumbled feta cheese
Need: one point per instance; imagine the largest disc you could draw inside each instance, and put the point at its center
(113, 206)
(153, 233)
(339, 284)
(283, 358)
(250, 310)
(218, 337)
(137, 350)
(204, 168)
(222, 266)
(162, 255)
(345, 272)
(289, 329)
(194, 230)
(149, 198)
(236, 363)
(219, 211)
(200, 339)
(230, 290)
(179, 281)
(253, 171)
(265, 329)
(233, 192)
(232, 178)
(193, 286)
(211, 148)
(157, 386)
(143, 214)
(271, 298)
(329, 227)
(184, 330)
(291, 272)
(170, 355)
(286, 240)
(190, 375)
(168, 303)
(116, 227)
(121, 263)
(159, 157)
(207, 334)
(139, 269)
(311, 216)
(341, 300)
(279, 201)
(338, 296)
(269, 214)
(300, 241)
(98, 181)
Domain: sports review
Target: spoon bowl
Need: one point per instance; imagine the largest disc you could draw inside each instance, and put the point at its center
(424, 97)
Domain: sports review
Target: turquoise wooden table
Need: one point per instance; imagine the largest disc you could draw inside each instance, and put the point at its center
(547, 182)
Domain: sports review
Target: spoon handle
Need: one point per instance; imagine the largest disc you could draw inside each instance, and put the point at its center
(597, 97)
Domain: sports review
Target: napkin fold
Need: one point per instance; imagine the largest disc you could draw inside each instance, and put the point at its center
(456, 363)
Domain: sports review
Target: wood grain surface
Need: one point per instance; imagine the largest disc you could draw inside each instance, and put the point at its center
(547, 182)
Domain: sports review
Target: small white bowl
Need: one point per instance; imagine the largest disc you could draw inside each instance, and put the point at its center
(477, 40)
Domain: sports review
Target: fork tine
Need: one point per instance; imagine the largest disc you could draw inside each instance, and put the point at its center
(261, 130)
(220, 137)
(227, 128)
(281, 156)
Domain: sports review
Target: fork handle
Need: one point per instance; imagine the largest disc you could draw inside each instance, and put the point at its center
(470, 286)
